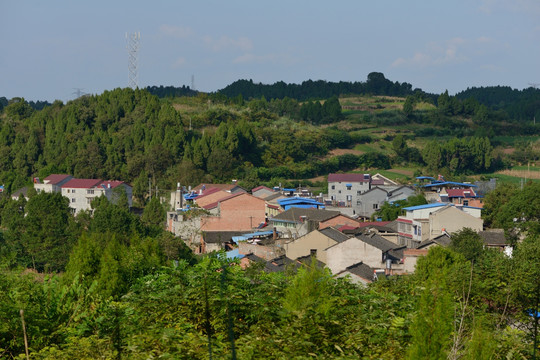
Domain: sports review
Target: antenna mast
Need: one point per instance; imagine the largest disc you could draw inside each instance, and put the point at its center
(133, 59)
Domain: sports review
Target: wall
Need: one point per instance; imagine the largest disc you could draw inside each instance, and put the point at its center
(241, 213)
(267, 252)
(303, 246)
(339, 191)
(452, 220)
(350, 252)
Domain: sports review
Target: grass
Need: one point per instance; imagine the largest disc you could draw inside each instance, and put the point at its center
(397, 176)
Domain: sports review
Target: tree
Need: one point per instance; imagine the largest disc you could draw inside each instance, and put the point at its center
(526, 284)
(408, 106)
(468, 243)
(46, 240)
(154, 213)
(399, 145)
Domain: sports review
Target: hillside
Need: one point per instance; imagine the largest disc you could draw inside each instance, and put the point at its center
(133, 135)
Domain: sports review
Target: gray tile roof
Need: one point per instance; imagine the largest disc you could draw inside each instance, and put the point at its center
(442, 240)
(294, 214)
(362, 270)
(493, 237)
(378, 241)
(217, 237)
(334, 234)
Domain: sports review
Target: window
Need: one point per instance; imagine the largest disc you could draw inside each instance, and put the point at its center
(358, 192)
(358, 202)
(375, 206)
(339, 191)
(72, 200)
(466, 202)
(67, 191)
(349, 197)
(349, 187)
(89, 200)
(73, 191)
(90, 191)
(333, 187)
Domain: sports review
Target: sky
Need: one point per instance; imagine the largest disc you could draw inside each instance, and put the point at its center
(50, 49)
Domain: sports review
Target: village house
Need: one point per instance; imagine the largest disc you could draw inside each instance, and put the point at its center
(51, 183)
(297, 222)
(314, 243)
(372, 250)
(358, 273)
(81, 192)
(424, 222)
(262, 191)
(343, 189)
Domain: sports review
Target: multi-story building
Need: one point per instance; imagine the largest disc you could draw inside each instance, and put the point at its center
(344, 188)
(81, 192)
(425, 222)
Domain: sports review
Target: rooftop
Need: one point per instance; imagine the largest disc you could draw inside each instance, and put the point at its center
(425, 206)
(82, 183)
(349, 177)
(334, 234)
(54, 179)
(296, 214)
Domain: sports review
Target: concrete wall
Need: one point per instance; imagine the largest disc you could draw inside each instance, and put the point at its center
(302, 246)
(267, 252)
(338, 191)
(365, 202)
(81, 198)
(452, 220)
(350, 252)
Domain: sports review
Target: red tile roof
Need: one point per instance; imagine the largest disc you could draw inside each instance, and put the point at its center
(466, 193)
(208, 191)
(347, 178)
(372, 223)
(82, 183)
(215, 204)
(54, 179)
(113, 183)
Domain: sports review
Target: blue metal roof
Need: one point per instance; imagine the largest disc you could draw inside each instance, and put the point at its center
(298, 200)
(301, 206)
(289, 189)
(426, 206)
(425, 178)
(234, 254)
(245, 237)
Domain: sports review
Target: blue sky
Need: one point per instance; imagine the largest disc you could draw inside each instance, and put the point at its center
(49, 48)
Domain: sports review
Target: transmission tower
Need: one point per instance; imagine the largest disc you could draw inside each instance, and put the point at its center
(78, 92)
(133, 59)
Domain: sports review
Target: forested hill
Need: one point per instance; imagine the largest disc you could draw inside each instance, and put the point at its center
(376, 84)
(518, 104)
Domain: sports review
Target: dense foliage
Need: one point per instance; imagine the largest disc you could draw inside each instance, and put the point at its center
(116, 303)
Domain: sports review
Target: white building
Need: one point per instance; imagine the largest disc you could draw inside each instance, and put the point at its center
(81, 192)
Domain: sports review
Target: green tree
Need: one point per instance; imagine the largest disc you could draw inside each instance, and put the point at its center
(468, 243)
(408, 106)
(46, 240)
(154, 213)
